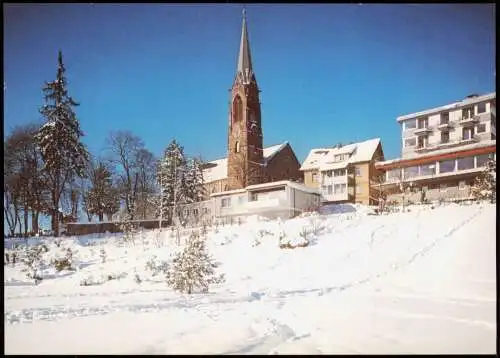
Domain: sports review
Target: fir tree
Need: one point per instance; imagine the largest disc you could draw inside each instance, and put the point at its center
(102, 198)
(63, 154)
(194, 181)
(485, 185)
(172, 179)
(193, 268)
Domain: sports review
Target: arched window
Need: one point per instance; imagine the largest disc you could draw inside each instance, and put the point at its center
(237, 109)
(237, 147)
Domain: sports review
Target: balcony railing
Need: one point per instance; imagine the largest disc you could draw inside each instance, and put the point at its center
(472, 139)
(422, 130)
(444, 125)
(468, 120)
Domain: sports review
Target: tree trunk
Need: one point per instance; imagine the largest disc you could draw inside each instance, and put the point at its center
(34, 220)
(101, 217)
(26, 215)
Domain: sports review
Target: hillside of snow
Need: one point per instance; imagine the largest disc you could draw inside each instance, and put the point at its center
(423, 281)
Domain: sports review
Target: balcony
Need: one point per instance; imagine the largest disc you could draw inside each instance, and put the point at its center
(422, 131)
(473, 139)
(444, 126)
(468, 121)
(425, 148)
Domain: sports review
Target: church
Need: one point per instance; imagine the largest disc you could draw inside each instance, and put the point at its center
(248, 162)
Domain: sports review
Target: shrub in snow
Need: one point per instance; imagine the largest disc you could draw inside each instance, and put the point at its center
(193, 268)
(90, 281)
(129, 231)
(103, 256)
(485, 185)
(137, 278)
(65, 263)
(291, 243)
(34, 262)
(156, 266)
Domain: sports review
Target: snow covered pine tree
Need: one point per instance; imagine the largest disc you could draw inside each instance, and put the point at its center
(193, 268)
(63, 154)
(174, 190)
(485, 185)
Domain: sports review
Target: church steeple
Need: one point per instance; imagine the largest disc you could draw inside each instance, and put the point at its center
(244, 69)
(245, 152)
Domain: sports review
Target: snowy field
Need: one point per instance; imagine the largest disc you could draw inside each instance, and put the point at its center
(416, 282)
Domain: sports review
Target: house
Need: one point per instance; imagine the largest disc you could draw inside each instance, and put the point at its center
(443, 149)
(343, 173)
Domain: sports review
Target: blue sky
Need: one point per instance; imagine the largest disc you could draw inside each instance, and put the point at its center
(328, 73)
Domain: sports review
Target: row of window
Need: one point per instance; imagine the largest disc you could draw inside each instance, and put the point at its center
(334, 189)
(445, 166)
(467, 133)
(467, 112)
(335, 172)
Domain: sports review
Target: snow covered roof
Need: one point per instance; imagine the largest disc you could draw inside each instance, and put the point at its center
(217, 169)
(324, 158)
(482, 144)
(466, 101)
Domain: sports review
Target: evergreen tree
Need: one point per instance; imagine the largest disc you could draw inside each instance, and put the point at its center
(193, 268)
(194, 181)
(63, 154)
(172, 179)
(102, 198)
(485, 185)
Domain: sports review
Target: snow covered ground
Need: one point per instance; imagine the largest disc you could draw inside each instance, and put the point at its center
(416, 282)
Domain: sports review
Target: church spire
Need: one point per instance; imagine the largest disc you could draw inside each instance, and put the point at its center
(244, 70)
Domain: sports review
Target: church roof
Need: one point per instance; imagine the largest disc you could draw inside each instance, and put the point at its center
(217, 169)
(324, 158)
(244, 69)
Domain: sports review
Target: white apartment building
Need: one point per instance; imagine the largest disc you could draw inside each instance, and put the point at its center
(443, 148)
(468, 121)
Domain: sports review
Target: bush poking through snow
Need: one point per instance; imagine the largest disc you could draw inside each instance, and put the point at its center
(287, 243)
(157, 266)
(485, 185)
(193, 268)
(33, 261)
(103, 256)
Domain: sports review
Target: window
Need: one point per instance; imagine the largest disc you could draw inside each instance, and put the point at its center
(226, 202)
(339, 188)
(445, 137)
(394, 173)
(481, 160)
(422, 123)
(481, 128)
(330, 190)
(410, 172)
(205, 210)
(462, 185)
(410, 142)
(237, 109)
(410, 124)
(240, 200)
(447, 166)
(481, 107)
(443, 187)
(421, 142)
(237, 147)
(253, 196)
(465, 163)
(467, 133)
(339, 172)
(358, 189)
(358, 171)
(329, 173)
(445, 118)
(314, 177)
(467, 113)
(428, 169)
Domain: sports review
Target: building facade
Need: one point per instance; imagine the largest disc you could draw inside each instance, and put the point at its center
(443, 150)
(343, 173)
